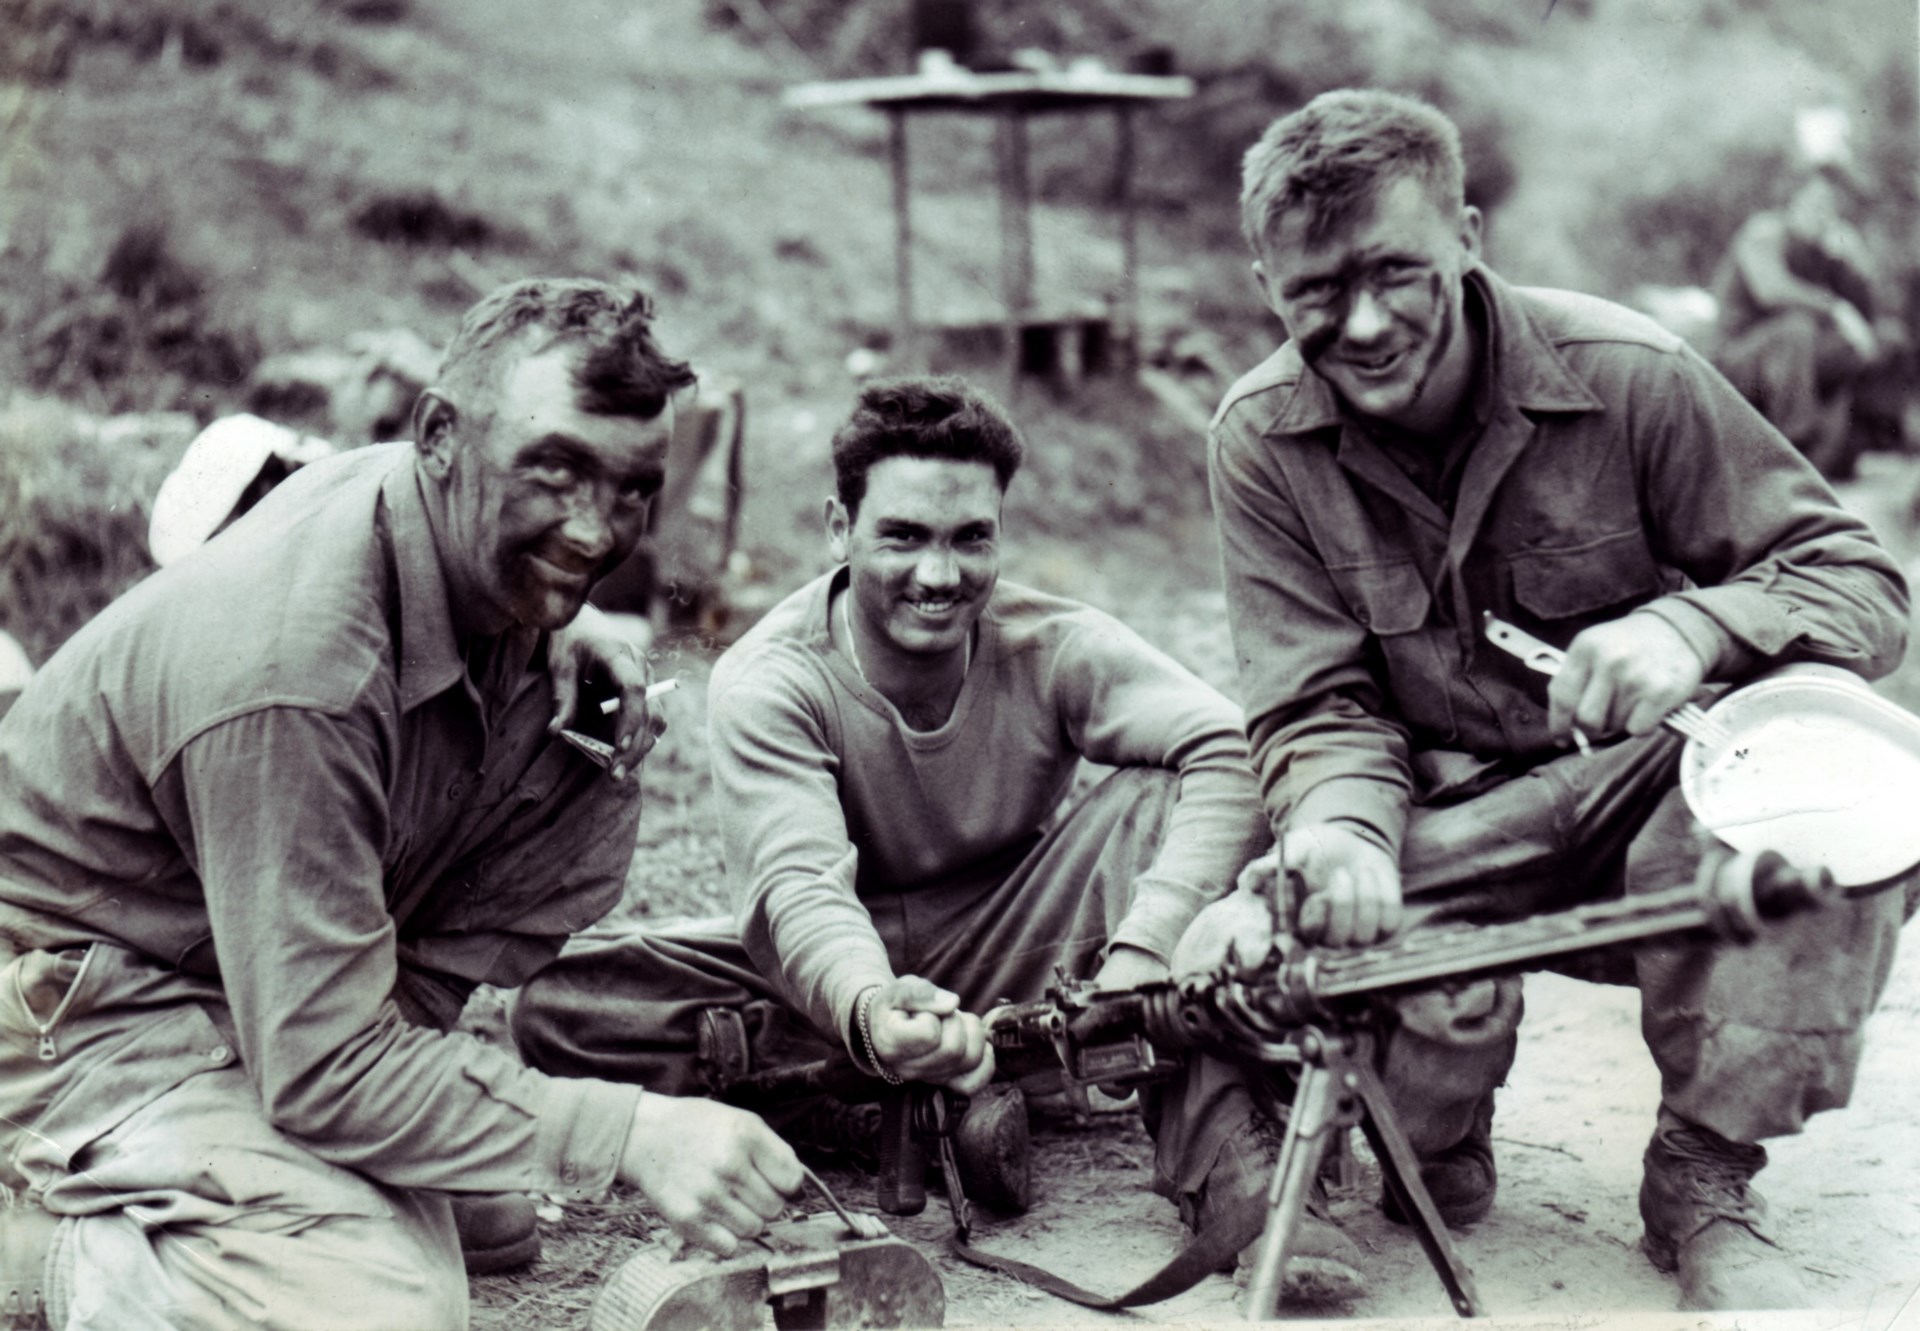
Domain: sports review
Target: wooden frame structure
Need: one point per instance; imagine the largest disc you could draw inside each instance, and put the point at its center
(1011, 99)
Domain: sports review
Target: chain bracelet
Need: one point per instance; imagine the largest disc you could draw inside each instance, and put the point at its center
(863, 1016)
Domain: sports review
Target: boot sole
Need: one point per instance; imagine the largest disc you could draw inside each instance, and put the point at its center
(1455, 1217)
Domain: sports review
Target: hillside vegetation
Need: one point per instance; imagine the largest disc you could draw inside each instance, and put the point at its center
(189, 185)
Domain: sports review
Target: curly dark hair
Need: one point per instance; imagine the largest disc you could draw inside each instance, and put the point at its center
(924, 416)
(621, 370)
(1331, 157)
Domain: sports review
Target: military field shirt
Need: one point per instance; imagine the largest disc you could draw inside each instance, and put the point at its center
(1616, 472)
(276, 765)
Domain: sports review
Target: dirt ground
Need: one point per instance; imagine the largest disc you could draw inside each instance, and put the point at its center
(1561, 1242)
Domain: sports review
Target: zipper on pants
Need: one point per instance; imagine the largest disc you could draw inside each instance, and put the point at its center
(49, 1050)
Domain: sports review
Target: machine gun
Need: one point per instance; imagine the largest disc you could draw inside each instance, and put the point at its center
(1299, 1018)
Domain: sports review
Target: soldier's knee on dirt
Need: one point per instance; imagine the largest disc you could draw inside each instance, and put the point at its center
(1450, 1045)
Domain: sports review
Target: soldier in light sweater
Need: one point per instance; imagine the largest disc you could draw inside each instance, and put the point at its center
(894, 748)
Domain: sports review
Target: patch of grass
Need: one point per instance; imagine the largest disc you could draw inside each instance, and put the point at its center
(138, 336)
(46, 36)
(75, 495)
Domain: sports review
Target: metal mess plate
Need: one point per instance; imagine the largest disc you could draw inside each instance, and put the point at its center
(1819, 768)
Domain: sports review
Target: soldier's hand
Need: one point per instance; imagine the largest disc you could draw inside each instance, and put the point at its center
(1239, 927)
(1126, 967)
(593, 645)
(1351, 887)
(1623, 675)
(716, 1174)
(920, 1034)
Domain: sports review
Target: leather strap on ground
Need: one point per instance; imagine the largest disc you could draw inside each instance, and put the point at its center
(1210, 1251)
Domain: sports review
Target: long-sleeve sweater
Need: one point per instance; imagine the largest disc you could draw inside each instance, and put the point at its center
(825, 796)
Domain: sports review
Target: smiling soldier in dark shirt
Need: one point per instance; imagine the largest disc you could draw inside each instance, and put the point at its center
(1431, 444)
(269, 819)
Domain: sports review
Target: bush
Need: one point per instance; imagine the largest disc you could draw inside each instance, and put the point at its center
(422, 219)
(45, 36)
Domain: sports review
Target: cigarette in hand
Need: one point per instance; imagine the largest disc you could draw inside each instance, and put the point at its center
(660, 690)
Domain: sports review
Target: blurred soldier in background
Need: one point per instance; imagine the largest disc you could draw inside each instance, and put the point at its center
(1796, 296)
(1431, 444)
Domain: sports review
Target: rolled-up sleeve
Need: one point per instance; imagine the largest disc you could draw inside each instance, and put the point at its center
(285, 817)
(1324, 748)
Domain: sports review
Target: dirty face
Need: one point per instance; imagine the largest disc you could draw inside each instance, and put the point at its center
(541, 498)
(1377, 306)
(922, 551)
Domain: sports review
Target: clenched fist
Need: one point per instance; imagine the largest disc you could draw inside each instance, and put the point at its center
(1351, 886)
(920, 1034)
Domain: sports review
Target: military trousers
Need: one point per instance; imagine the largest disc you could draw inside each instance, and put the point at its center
(125, 1112)
(625, 1005)
(1750, 1038)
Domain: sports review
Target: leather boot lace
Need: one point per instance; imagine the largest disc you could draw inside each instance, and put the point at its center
(1714, 1175)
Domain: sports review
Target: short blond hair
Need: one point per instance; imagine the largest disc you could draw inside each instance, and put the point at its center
(1332, 156)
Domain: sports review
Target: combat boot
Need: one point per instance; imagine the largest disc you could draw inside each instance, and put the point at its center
(1323, 1264)
(26, 1237)
(1460, 1179)
(498, 1231)
(1706, 1223)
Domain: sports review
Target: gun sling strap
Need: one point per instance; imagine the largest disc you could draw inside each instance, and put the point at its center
(1213, 1249)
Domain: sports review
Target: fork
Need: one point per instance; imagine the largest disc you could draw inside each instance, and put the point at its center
(1686, 719)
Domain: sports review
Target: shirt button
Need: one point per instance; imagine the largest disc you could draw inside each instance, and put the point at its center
(219, 1054)
(1363, 616)
(456, 789)
(569, 1173)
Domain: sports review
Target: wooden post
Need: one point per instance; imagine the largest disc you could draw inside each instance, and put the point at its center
(1127, 334)
(904, 352)
(1016, 238)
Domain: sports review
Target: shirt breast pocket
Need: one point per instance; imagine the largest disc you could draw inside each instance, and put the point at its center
(1386, 599)
(1394, 604)
(1611, 573)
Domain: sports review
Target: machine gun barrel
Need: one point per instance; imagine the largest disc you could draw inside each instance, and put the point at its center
(1139, 1034)
(1252, 1011)
(1735, 895)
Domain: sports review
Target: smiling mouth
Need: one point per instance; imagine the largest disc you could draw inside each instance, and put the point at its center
(562, 573)
(1375, 366)
(934, 608)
